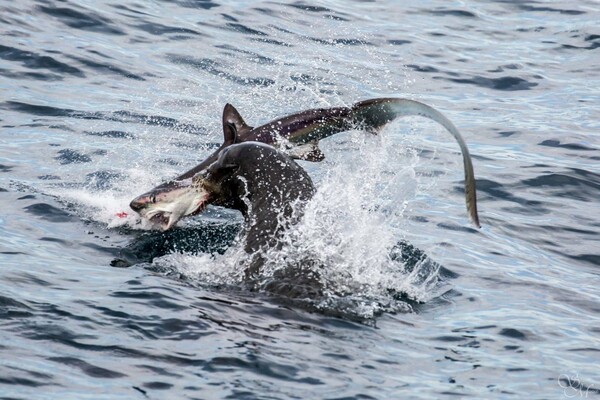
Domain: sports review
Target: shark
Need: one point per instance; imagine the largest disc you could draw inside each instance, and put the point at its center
(298, 136)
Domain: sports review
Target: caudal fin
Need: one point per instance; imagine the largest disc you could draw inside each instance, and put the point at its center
(378, 112)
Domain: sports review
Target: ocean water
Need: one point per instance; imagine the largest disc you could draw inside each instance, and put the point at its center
(100, 101)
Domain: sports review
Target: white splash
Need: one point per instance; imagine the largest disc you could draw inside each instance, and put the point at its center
(365, 185)
(350, 232)
(110, 206)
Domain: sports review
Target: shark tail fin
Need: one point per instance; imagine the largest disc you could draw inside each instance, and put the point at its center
(375, 113)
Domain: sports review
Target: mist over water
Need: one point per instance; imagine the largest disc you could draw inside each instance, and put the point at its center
(101, 101)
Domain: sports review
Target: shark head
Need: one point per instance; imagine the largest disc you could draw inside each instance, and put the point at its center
(185, 196)
(170, 202)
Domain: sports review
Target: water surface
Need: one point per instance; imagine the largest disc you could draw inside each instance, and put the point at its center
(100, 101)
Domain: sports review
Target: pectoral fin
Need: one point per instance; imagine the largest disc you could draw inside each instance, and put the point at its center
(308, 152)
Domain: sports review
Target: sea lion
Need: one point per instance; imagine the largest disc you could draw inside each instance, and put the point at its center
(264, 184)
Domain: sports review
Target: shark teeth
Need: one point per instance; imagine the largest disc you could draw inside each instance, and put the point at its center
(161, 219)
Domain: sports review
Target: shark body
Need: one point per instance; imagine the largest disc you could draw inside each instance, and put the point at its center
(297, 135)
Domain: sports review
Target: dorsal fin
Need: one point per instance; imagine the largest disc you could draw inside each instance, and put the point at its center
(233, 124)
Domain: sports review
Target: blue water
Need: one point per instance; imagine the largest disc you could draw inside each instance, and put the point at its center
(100, 101)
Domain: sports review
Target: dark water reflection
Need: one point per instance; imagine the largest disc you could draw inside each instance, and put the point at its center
(99, 101)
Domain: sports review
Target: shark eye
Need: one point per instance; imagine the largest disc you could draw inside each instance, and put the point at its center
(153, 198)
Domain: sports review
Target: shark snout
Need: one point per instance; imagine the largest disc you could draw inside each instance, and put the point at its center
(165, 193)
(139, 203)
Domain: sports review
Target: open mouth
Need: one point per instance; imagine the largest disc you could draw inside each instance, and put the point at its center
(168, 203)
(167, 215)
(161, 219)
